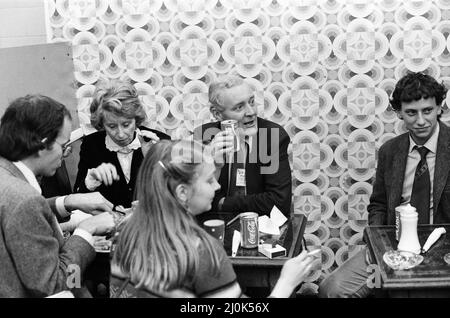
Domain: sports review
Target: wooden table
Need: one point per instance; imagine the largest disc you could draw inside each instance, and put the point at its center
(254, 270)
(431, 278)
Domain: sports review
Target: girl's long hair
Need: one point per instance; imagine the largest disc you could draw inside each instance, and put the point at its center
(158, 248)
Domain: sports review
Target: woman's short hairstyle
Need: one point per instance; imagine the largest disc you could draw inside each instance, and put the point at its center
(158, 247)
(216, 89)
(30, 124)
(415, 86)
(119, 98)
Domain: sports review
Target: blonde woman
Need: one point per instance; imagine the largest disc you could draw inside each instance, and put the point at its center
(161, 251)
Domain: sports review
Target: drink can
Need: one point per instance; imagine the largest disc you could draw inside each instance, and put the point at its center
(249, 230)
(231, 125)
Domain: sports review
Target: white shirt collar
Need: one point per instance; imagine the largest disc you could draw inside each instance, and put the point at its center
(29, 175)
(112, 146)
(431, 143)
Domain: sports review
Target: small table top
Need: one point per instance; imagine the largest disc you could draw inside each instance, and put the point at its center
(290, 238)
(433, 272)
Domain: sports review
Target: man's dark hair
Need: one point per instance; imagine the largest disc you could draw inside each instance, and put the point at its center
(415, 86)
(30, 124)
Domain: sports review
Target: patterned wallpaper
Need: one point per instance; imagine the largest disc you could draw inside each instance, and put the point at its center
(322, 69)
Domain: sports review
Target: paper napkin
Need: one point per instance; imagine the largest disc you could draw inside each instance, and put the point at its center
(272, 225)
(266, 225)
(277, 217)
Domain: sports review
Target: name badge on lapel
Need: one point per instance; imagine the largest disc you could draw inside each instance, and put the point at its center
(240, 177)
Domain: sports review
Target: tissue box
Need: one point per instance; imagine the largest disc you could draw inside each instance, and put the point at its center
(270, 251)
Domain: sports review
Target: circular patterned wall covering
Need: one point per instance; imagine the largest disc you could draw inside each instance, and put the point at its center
(322, 69)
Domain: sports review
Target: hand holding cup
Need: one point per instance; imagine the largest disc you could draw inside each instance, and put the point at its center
(222, 144)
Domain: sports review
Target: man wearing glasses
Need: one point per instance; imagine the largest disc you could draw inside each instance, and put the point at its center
(35, 259)
(59, 183)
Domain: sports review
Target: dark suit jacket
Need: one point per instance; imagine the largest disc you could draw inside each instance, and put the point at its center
(387, 189)
(35, 260)
(268, 182)
(93, 152)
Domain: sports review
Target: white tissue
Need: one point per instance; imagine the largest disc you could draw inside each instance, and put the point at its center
(434, 236)
(266, 225)
(277, 217)
(271, 225)
(236, 242)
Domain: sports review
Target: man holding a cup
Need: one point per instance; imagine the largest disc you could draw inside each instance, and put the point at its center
(250, 152)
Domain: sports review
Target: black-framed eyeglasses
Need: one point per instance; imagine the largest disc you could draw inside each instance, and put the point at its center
(66, 149)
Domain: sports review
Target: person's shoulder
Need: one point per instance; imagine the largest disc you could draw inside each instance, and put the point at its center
(95, 137)
(158, 133)
(17, 189)
(393, 143)
(93, 142)
(18, 192)
(267, 124)
(7, 167)
(445, 128)
(11, 184)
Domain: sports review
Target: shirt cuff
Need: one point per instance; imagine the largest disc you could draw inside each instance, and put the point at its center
(90, 182)
(84, 234)
(60, 207)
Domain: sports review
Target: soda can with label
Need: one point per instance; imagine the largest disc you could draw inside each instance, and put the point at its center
(231, 125)
(249, 229)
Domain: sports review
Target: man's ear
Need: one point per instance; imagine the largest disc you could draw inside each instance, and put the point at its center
(216, 113)
(182, 192)
(41, 152)
(399, 115)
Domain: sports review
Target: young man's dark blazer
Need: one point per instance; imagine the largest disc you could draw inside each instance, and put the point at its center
(263, 190)
(387, 189)
(93, 152)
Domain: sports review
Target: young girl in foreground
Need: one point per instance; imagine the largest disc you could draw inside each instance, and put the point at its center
(161, 250)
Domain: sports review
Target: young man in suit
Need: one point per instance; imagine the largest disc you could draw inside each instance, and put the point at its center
(258, 176)
(412, 168)
(35, 259)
